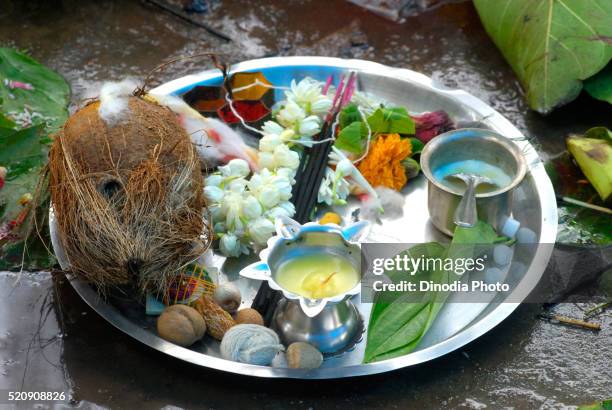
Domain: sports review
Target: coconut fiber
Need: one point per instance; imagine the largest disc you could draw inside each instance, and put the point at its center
(127, 196)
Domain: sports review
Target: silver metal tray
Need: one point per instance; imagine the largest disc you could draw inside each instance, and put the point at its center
(457, 323)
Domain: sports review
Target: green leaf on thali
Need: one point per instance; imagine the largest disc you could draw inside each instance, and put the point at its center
(594, 157)
(47, 100)
(398, 322)
(351, 138)
(600, 85)
(552, 45)
(391, 120)
(481, 233)
(417, 145)
(349, 115)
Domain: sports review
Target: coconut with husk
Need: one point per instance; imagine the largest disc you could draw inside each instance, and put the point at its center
(126, 189)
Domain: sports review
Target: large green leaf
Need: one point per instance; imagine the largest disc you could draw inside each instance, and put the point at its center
(23, 154)
(33, 104)
(398, 322)
(552, 45)
(600, 85)
(47, 100)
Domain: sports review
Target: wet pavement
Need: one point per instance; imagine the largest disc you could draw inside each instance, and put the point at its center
(51, 340)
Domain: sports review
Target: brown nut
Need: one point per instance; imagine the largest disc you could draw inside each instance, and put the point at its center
(218, 321)
(249, 316)
(181, 324)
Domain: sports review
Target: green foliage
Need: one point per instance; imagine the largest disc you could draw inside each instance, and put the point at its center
(578, 225)
(602, 405)
(593, 153)
(23, 154)
(417, 145)
(391, 120)
(33, 104)
(351, 138)
(48, 99)
(552, 45)
(354, 131)
(349, 115)
(397, 323)
(600, 85)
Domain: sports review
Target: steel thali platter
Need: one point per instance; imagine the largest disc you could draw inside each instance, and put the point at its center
(457, 323)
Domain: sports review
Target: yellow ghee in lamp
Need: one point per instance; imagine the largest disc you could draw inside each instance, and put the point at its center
(317, 276)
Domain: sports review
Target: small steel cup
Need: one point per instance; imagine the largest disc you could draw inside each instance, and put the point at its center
(471, 144)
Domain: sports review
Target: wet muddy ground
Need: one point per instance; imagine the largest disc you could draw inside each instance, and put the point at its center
(51, 340)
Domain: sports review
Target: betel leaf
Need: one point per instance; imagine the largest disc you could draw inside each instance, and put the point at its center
(552, 45)
(396, 320)
(31, 93)
(398, 323)
(351, 138)
(481, 233)
(391, 120)
(600, 85)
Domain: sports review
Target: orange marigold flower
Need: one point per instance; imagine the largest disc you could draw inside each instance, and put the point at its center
(382, 164)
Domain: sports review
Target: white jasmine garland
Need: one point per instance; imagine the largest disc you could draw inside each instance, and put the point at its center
(213, 193)
(284, 157)
(244, 206)
(213, 180)
(272, 127)
(251, 208)
(260, 230)
(268, 142)
(290, 114)
(283, 209)
(266, 160)
(235, 168)
(230, 245)
(243, 210)
(308, 95)
(309, 126)
(334, 188)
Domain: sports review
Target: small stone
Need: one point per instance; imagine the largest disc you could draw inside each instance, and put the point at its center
(494, 275)
(280, 360)
(181, 324)
(249, 316)
(302, 355)
(526, 236)
(502, 254)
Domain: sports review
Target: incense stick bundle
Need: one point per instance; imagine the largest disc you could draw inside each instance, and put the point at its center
(309, 175)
